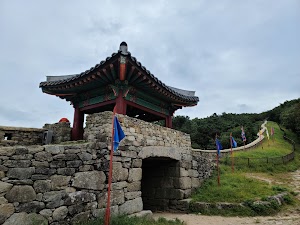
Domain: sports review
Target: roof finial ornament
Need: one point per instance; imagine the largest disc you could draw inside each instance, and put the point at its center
(123, 48)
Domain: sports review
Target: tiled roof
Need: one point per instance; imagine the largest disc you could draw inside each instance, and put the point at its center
(58, 80)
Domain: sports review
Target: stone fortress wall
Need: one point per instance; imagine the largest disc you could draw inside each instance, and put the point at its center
(154, 169)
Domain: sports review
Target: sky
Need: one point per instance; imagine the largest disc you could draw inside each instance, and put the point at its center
(239, 56)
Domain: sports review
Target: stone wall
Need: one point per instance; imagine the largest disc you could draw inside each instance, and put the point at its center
(10, 136)
(65, 184)
(61, 131)
(138, 132)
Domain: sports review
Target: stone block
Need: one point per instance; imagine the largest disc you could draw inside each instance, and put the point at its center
(4, 188)
(54, 149)
(119, 185)
(184, 172)
(135, 174)
(84, 156)
(59, 182)
(3, 200)
(40, 164)
(119, 173)
(7, 151)
(46, 213)
(22, 193)
(30, 207)
(80, 218)
(43, 156)
(66, 171)
(79, 197)
(6, 210)
(60, 213)
(183, 183)
(54, 199)
(74, 163)
(131, 206)
(93, 180)
(137, 163)
(196, 182)
(133, 195)
(20, 173)
(134, 186)
(193, 173)
(26, 219)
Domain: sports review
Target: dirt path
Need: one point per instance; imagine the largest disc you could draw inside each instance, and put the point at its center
(192, 219)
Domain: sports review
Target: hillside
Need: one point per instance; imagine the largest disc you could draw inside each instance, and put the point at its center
(204, 130)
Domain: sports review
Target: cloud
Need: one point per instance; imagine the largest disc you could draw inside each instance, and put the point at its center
(237, 56)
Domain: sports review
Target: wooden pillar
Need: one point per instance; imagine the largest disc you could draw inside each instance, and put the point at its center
(169, 121)
(121, 104)
(77, 131)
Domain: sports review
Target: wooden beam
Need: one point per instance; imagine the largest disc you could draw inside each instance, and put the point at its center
(113, 72)
(130, 73)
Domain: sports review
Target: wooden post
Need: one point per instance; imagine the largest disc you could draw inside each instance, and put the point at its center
(232, 159)
(121, 104)
(77, 131)
(169, 121)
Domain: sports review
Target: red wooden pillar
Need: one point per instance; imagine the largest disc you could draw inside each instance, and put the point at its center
(121, 104)
(169, 121)
(77, 131)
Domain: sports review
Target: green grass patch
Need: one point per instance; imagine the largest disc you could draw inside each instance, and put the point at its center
(234, 188)
(125, 220)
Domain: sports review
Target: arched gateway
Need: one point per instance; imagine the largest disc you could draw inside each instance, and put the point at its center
(121, 82)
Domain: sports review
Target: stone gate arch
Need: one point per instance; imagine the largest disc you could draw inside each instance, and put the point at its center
(160, 177)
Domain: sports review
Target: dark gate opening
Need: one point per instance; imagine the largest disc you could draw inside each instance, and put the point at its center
(160, 183)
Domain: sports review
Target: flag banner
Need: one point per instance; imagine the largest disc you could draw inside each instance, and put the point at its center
(219, 146)
(272, 131)
(118, 133)
(233, 143)
(267, 132)
(243, 135)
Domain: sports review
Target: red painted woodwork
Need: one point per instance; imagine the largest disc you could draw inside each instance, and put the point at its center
(169, 121)
(122, 71)
(77, 131)
(98, 105)
(120, 104)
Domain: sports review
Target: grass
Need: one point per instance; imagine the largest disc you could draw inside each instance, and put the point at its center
(234, 188)
(240, 187)
(125, 220)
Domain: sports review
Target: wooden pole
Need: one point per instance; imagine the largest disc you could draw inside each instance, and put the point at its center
(218, 169)
(232, 159)
(107, 213)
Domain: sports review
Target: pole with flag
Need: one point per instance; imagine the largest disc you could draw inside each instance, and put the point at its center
(267, 132)
(117, 136)
(243, 136)
(272, 133)
(233, 144)
(260, 134)
(219, 147)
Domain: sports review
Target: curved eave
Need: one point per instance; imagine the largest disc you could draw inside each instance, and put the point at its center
(103, 74)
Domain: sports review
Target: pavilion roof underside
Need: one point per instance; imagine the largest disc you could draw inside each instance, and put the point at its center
(106, 73)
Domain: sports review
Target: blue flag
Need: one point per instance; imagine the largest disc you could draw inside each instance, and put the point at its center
(118, 133)
(243, 135)
(233, 143)
(219, 146)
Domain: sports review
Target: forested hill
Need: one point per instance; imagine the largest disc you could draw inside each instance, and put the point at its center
(203, 131)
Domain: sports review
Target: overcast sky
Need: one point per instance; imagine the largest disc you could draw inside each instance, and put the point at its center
(239, 56)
